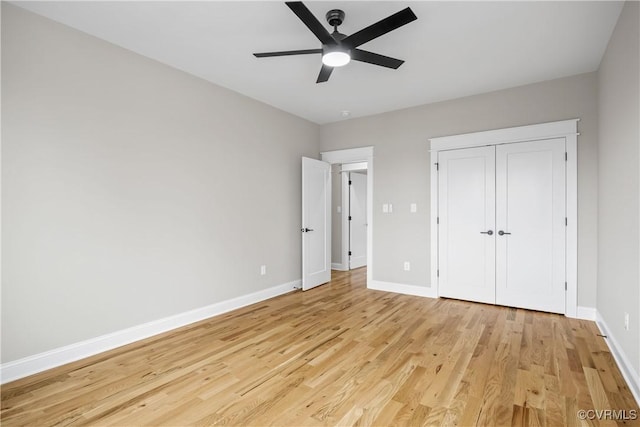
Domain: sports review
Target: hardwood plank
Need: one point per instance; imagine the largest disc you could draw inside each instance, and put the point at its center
(339, 354)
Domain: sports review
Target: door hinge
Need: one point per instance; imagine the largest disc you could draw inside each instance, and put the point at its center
(566, 221)
(437, 220)
(349, 253)
(566, 156)
(349, 182)
(437, 273)
(565, 286)
(437, 166)
(349, 217)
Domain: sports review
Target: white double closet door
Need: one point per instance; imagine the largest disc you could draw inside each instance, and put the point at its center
(502, 224)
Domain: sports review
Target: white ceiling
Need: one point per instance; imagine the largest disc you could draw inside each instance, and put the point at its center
(454, 49)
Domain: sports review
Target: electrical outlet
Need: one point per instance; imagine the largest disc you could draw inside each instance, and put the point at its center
(407, 266)
(626, 321)
(263, 270)
(414, 207)
(339, 209)
(385, 208)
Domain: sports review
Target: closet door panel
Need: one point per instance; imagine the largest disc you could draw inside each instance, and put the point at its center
(530, 211)
(466, 209)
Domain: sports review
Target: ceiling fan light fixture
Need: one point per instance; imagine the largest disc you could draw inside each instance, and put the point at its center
(339, 49)
(336, 58)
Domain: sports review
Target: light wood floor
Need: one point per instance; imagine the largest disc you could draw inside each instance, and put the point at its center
(339, 355)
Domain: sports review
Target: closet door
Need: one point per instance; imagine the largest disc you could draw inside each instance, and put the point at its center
(466, 210)
(530, 225)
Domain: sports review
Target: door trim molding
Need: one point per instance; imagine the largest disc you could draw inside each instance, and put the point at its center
(550, 130)
(567, 129)
(358, 155)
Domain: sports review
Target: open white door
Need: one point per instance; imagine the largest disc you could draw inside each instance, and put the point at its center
(316, 223)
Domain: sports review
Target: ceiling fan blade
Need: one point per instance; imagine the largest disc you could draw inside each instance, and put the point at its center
(287, 53)
(325, 72)
(376, 59)
(311, 22)
(389, 23)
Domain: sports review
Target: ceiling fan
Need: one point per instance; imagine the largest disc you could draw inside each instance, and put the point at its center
(337, 48)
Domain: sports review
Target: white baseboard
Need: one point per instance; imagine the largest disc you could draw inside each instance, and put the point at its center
(586, 313)
(338, 266)
(50, 359)
(400, 288)
(628, 372)
(357, 262)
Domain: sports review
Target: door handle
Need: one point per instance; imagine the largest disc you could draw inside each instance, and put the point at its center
(306, 230)
(502, 233)
(490, 232)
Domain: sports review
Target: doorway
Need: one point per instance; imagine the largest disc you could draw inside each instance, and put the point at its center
(349, 216)
(345, 164)
(357, 219)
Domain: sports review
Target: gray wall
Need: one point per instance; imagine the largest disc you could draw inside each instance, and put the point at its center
(401, 166)
(619, 183)
(133, 191)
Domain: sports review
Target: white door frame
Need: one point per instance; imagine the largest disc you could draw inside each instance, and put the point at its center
(567, 129)
(357, 155)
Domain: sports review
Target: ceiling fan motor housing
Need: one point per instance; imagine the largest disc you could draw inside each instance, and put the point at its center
(335, 17)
